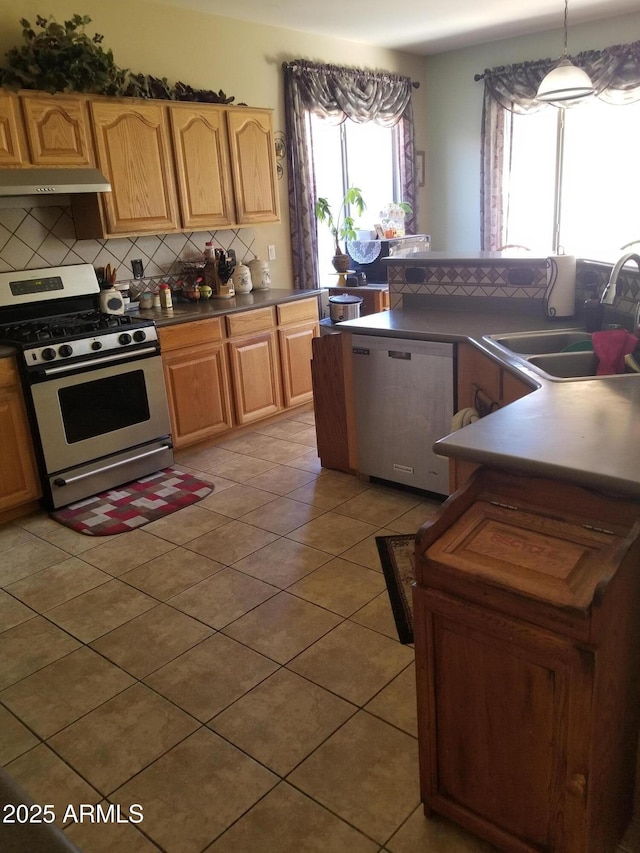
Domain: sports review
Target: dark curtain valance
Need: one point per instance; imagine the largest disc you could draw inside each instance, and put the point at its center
(338, 93)
(614, 72)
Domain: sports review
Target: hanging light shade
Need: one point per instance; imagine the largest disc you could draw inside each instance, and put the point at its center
(566, 83)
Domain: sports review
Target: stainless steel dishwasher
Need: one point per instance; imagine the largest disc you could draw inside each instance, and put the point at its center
(403, 402)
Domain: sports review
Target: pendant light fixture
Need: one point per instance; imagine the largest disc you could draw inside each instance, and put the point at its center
(566, 83)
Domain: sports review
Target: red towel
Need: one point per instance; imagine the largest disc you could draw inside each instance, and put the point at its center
(610, 347)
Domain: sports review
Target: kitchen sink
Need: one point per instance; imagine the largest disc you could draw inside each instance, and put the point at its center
(566, 365)
(536, 343)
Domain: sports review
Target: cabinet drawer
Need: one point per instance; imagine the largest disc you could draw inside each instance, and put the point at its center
(295, 312)
(8, 373)
(189, 334)
(250, 321)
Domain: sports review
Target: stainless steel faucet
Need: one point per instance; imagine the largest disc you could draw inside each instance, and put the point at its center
(609, 293)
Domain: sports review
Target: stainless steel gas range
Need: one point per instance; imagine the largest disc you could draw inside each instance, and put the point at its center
(93, 382)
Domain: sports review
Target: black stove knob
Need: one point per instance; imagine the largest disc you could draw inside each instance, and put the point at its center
(48, 354)
(125, 338)
(65, 351)
(96, 345)
(139, 336)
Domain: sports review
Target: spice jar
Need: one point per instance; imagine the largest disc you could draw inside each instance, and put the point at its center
(166, 300)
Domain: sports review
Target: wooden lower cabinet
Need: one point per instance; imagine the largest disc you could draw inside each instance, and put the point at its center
(295, 357)
(527, 624)
(19, 481)
(255, 377)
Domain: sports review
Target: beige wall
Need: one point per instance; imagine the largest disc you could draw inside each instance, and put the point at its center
(205, 51)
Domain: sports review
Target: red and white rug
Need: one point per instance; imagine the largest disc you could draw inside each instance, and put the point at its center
(133, 504)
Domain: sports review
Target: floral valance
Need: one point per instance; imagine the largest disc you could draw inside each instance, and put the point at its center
(338, 93)
(614, 72)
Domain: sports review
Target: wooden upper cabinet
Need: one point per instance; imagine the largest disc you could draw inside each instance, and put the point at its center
(12, 146)
(57, 129)
(133, 152)
(253, 165)
(202, 165)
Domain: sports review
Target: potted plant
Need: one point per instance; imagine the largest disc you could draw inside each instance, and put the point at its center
(341, 226)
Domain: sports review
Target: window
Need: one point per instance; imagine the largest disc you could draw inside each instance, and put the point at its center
(574, 173)
(350, 154)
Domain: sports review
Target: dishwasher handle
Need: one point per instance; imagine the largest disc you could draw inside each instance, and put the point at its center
(395, 353)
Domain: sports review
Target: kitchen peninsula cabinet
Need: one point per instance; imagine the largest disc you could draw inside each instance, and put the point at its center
(253, 360)
(196, 378)
(19, 482)
(527, 624)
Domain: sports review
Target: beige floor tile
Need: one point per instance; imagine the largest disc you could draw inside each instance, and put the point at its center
(282, 720)
(367, 773)
(223, 597)
(48, 780)
(304, 416)
(436, 835)
(285, 429)
(328, 492)
(27, 558)
(58, 694)
(282, 563)
(14, 737)
(378, 616)
(307, 462)
(307, 437)
(118, 739)
(283, 452)
(219, 483)
(14, 534)
(282, 627)
(365, 553)
(195, 791)
(100, 610)
(231, 542)
(246, 444)
(340, 586)
(109, 838)
(58, 583)
(30, 646)
(353, 662)
(332, 533)
(12, 612)
(186, 524)
(396, 704)
(210, 676)
(282, 479)
(241, 468)
(42, 525)
(286, 821)
(282, 515)
(171, 573)
(126, 551)
(236, 501)
(411, 521)
(378, 506)
(151, 640)
(206, 458)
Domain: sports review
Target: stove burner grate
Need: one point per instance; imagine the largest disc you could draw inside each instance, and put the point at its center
(65, 326)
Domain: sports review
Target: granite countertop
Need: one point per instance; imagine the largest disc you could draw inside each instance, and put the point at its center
(586, 431)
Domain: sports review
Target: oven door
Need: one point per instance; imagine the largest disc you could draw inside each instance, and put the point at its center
(87, 415)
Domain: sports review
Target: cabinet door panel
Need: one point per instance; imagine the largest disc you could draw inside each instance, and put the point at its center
(254, 369)
(202, 164)
(254, 165)
(198, 392)
(19, 481)
(133, 152)
(295, 354)
(12, 146)
(57, 130)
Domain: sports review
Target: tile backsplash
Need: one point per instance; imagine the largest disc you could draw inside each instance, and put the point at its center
(35, 237)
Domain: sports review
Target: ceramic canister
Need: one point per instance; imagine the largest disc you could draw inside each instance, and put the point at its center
(260, 274)
(242, 278)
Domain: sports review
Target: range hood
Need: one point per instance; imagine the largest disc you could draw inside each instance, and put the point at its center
(50, 182)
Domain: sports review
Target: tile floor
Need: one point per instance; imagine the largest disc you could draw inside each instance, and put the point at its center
(233, 668)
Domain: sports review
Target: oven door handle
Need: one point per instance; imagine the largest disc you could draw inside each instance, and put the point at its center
(96, 362)
(62, 481)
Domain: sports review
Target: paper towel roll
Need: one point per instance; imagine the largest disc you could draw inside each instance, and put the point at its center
(560, 295)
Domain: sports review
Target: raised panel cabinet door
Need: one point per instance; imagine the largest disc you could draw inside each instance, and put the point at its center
(255, 377)
(198, 392)
(133, 151)
(57, 129)
(19, 481)
(202, 165)
(12, 146)
(295, 356)
(253, 164)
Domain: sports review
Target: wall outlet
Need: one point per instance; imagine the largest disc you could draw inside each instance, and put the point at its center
(271, 250)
